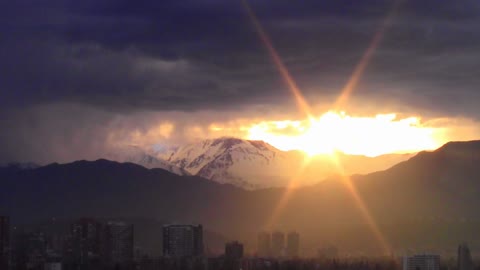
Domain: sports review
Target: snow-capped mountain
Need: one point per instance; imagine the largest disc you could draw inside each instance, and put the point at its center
(229, 160)
(250, 164)
(256, 164)
(137, 155)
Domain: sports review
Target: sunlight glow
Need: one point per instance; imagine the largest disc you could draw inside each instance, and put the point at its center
(369, 136)
(334, 131)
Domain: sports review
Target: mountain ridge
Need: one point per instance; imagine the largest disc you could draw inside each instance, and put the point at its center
(257, 164)
(435, 192)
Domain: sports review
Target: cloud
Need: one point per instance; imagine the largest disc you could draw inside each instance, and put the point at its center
(177, 60)
(193, 55)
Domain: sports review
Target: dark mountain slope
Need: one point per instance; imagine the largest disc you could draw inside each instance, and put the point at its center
(430, 199)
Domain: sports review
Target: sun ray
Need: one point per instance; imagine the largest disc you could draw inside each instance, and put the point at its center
(365, 60)
(289, 190)
(282, 69)
(304, 106)
(362, 207)
(296, 92)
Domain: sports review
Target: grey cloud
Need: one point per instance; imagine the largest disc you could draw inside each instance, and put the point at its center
(50, 53)
(116, 58)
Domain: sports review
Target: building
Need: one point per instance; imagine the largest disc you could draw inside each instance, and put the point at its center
(4, 242)
(182, 241)
(422, 262)
(278, 244)
(86, 244)
(234, 250)
(464, 258)
(293, 244)
(263, 249)
(119, 243)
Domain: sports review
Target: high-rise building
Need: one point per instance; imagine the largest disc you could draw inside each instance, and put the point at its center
(86, 243)
(182, 240)
(234, 250)
(464, 258)
(263, 248)
(293, 244)
(422, 262)
(119, 243)
(278, 244)
(4, 242)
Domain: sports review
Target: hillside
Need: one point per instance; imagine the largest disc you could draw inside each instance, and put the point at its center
(429, 200)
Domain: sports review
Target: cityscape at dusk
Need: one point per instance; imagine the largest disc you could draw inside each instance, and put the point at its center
(240, 135)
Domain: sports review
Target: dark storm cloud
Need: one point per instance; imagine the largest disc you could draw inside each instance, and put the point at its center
(89, 51)
(118, 57)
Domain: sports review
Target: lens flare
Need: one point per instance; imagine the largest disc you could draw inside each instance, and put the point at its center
(289, 190)
(305, 108)
(292, 86)
(362, 207)
(354, 135)
(365, 60)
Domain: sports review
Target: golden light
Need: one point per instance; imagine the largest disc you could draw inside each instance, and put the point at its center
(333, 131)
(369, 136)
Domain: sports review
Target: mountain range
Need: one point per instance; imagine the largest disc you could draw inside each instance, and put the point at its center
(251, 164)
(427, 202)
(135, 154)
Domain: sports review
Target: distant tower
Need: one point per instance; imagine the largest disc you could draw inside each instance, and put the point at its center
(4, 242)
(263, 244)
(464, 258)
(278, 244)
(234, 250)
(182, 240)
(119, 241)
(293, 244)
(86, 242)
(422, 262)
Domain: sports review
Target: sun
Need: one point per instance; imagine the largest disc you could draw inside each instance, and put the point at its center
(322, 135)
(338, 132)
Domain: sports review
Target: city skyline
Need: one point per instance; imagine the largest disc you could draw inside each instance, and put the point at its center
(239, 134)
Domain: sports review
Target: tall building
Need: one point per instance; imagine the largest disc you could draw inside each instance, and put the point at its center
(86, 244)
(182, 240)
(263, 248)
(4, 242)
(234, 250)
(422, 262)
(119, 243)
(293, 244)
(464, 258)
(278, 244)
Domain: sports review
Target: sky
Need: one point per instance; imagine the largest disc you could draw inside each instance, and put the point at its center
(81, 77)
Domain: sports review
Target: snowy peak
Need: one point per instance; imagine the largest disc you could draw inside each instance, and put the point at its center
(194, 157)
(261, 145)
(247, 164)
(226, 160)
(257, 164)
